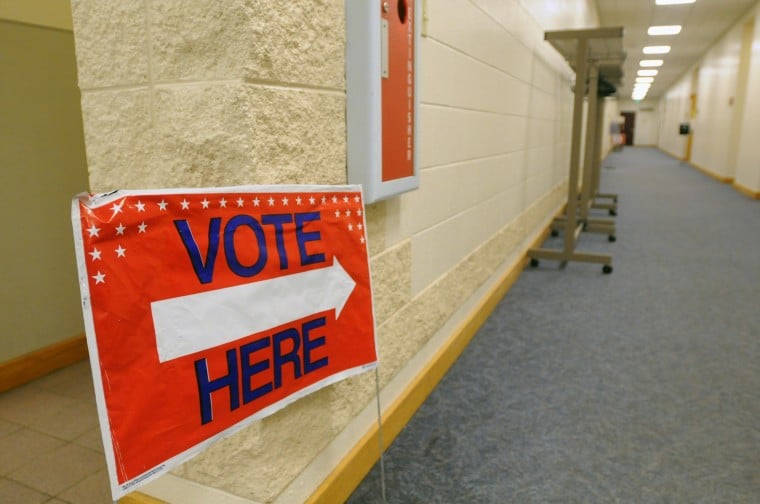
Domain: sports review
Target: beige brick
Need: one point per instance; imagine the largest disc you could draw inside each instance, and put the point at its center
(111, 43)
(391, 281)
(251, 463)
(213, 135)
(117, 135)
(290, 42)
(375, 217)
(349, 397)
(298, 136)
(203, 135)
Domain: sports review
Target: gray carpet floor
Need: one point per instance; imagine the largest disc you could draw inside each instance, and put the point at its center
(642, 386)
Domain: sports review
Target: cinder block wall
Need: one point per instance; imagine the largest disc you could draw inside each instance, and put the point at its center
(209, 92)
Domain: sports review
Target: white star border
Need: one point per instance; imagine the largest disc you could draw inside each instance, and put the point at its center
(342, 208)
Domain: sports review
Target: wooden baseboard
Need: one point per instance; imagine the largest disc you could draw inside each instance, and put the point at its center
(719, 178)
(344, 479)
(31, 366)
(747, 191)
(140, 498)
(726, 180)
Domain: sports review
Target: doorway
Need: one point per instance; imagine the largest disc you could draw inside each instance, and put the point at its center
(629, 126)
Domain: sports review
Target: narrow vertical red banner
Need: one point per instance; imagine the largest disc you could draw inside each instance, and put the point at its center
(398, 92)
(208, 309)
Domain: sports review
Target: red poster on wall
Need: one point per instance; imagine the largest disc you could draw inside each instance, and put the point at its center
(383, 96)
(208, 309)
(397, 88)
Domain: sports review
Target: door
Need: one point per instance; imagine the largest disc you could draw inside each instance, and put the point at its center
(692, 115)
(629, 126)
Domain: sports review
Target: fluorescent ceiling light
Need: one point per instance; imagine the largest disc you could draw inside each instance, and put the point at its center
(657, 49)
(650, 63)
(640, 80)
(674, 2)
(646, 73)
(664, 30)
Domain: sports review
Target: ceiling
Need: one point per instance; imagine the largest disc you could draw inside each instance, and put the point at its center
(703, 24)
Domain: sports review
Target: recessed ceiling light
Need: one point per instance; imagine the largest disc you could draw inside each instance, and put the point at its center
(657, 49)
(650, 63)
(644, 79)
(674, 2)
(664, 30)
(646, 73)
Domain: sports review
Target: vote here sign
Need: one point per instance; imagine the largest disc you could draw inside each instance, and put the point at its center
(208, 309)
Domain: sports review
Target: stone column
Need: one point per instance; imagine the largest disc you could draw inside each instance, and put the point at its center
(196, 93)
(187, 93)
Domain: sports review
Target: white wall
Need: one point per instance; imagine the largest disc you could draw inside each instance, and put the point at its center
(723, 110)
(563, 15)
(491, 153)
(674, 110)
(748, 155)
(647, 130)
(611, 113)
(647, 127)
(715, 105)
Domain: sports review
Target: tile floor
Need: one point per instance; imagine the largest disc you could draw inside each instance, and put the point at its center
(50, 444)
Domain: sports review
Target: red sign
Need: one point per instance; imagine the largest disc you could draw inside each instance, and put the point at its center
(398, 92)
(207, 309)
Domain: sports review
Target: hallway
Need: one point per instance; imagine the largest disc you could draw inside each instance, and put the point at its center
(639, 386)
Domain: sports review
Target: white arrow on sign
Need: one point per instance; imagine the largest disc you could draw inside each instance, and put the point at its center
(189, 324)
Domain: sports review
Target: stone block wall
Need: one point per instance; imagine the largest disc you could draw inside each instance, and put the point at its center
(225, 92)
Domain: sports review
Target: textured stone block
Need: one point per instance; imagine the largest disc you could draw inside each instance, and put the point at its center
(111, 43)
(391, 281)
(349, 397)
(203, 135)
(258, 462)
(117, 130)
(290, 42)
(213, 135)
(298, 136)
(375, 217)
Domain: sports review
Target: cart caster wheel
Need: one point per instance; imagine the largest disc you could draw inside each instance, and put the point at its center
(613, 212)
(612, 238)
(533, 262)
(607, 269)
(555, 233)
